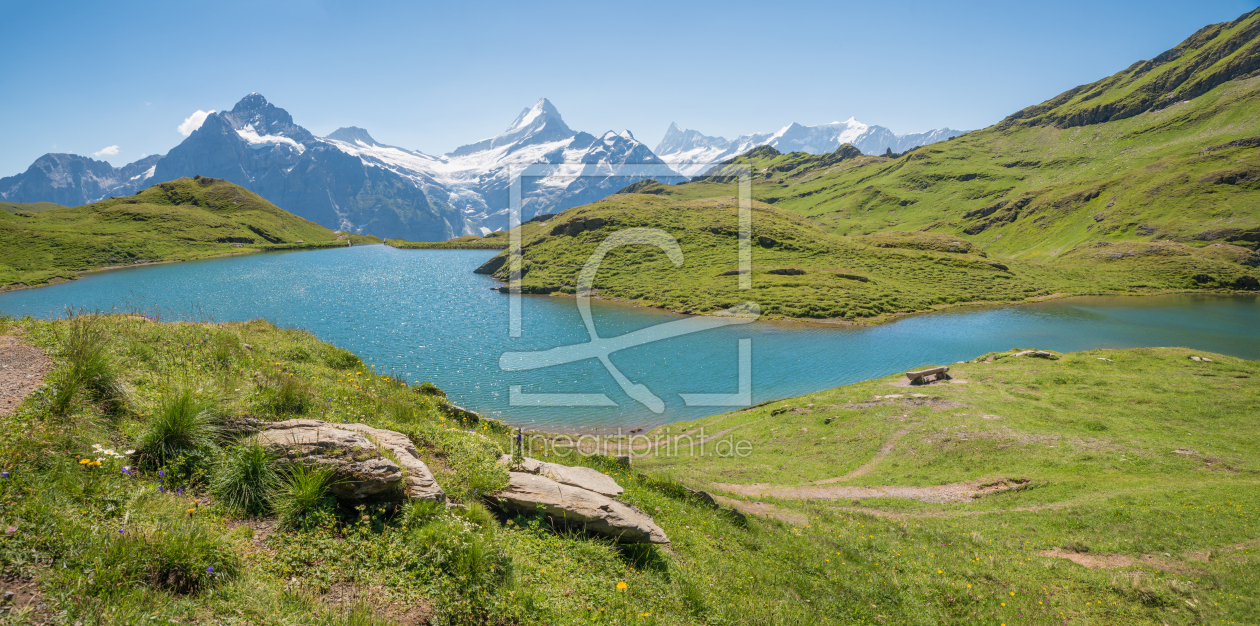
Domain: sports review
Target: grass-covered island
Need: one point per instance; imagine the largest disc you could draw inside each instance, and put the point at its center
(1108, 487)
(178, 220)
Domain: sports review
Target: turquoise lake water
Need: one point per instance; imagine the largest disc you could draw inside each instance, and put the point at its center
(424, 315)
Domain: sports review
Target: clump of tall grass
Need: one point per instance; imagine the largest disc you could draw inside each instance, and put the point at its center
(182, 556)
(245, 479)
(303, 497)
(181, 421)
(429, 389)
(461, 546)
(88, 367)
(223, 349)
(285, 396)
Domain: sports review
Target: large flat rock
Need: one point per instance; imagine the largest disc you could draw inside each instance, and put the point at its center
(584, 477)
(368, 462)
(420, 481)
(579, 508)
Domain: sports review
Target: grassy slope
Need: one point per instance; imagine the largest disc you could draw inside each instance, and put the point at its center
(176, 220)
(1156, 199)
(905, 271)
(33, 207)
(891, 562)
(1096, 440)
(497, 240)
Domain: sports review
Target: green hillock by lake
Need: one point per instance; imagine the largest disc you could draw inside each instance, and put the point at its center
(173, 221)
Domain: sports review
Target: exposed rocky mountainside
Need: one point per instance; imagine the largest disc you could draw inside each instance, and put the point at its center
(258, 146)
(474, 179)
(71, 180)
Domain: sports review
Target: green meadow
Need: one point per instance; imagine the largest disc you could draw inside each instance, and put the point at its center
(1141, 467)
(172, 221)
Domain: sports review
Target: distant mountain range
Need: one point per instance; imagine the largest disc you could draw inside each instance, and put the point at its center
(351, 182)
(72, 180)
(688, 150)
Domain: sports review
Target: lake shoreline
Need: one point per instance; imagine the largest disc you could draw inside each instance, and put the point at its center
(58, 280)
(428, 317)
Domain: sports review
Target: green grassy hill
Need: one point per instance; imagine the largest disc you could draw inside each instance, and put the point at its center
(1122, 491)
(1105, 188)
(32, 207)
(172, 221)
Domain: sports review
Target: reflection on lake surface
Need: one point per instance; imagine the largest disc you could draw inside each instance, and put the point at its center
(424, 315)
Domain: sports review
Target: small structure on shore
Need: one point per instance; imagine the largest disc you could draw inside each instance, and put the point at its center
(922, 377)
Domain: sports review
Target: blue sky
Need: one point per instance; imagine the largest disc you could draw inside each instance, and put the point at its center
(79, 77)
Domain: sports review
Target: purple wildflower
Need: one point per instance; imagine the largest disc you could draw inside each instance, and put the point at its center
(4, 474)
(161, 473)
(161, 488)
(210, 569)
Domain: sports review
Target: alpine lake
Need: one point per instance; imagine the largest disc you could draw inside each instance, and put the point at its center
(424, 315)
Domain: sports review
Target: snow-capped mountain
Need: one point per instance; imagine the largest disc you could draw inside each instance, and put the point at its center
(257, 145)
(73, 180)
(350, 181)
(474, 178)
(680, 147)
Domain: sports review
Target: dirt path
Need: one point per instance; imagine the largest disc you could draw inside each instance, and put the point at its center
(937, 494)
(764, 509)
(22, 369)
(866, 467)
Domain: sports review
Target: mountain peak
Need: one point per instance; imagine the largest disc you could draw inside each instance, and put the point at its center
(537, 115)
(540, 123)
(351, 134)
(252, 102)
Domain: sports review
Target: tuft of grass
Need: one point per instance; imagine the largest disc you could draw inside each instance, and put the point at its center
(181, 556)
(284, 396)
(246, 479)
(429, 389)
(181, 421)
(88, 367)
(303, 496)
(223, 349)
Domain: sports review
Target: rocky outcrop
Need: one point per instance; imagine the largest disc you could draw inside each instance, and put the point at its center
(578, 508)
(419, 481)
(578, 225)
(583, 477)
(368, 462)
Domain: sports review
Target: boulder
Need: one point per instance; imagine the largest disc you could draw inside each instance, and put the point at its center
(419, 480)
(578, 508)
(583, 477)
(359, 455)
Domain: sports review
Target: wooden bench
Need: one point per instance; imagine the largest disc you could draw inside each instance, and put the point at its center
(921, 377)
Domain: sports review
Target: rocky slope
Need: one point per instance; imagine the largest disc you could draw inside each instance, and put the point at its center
(474, 179)
(71, 180)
